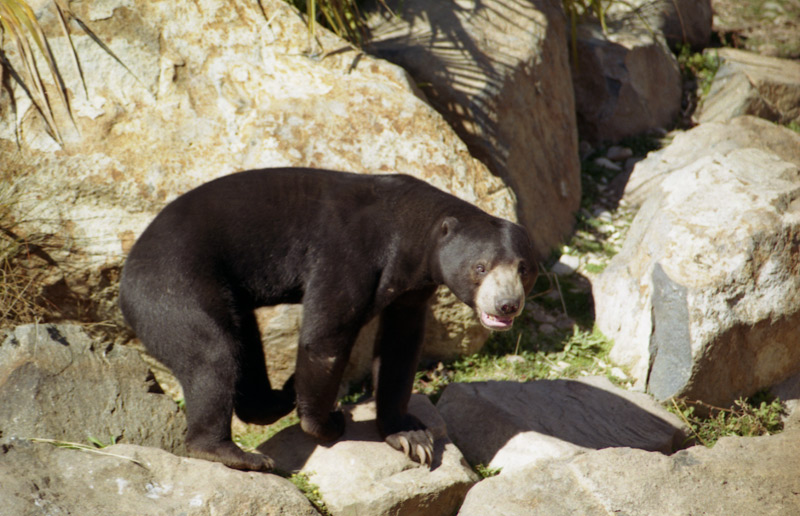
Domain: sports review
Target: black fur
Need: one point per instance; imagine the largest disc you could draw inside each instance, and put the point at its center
(347, 246)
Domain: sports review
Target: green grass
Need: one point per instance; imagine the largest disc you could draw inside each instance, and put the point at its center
(485, 471)
(302, 482)
(759, 415)
(699, 67)
(253, 435)
(519, 356)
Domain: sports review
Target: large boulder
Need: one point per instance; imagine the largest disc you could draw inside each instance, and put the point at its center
(361, 474)
(751, 84)
(57, 382)
(498, 70)
(208, 90)
(627, 82)
(703, 301)
(740, 475)
(512, 425)
(130, 480)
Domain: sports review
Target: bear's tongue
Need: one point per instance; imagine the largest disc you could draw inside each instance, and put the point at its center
(496, 321)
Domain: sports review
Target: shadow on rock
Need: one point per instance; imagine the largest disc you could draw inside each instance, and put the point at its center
(511, 424)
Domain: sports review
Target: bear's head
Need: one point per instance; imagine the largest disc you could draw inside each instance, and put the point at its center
(489, 264)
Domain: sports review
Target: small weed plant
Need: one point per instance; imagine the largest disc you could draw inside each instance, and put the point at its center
(746, 418)
(485, 471)
(699, 68)
(303, 483)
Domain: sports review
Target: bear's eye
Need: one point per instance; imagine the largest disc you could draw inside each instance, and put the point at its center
(480, 268)
(523, 270)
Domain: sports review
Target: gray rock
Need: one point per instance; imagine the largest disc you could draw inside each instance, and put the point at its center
(129, 480)
(703, 300)
(361, 474)
(512, 425)
(626, 83)
(752, 84)
(57, 382)
(740, 475)
(498, 70)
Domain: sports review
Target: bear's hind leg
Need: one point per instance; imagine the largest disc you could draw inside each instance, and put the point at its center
(204, 357)
(255, 400)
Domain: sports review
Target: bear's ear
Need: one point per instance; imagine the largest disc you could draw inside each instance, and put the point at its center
(449, 225)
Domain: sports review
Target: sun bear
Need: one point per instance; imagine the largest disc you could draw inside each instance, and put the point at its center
(349, 247)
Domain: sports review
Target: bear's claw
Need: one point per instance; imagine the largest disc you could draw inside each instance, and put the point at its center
(417, 445)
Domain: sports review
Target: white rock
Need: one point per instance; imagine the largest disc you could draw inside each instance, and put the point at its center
(567, 264)
(703, 300)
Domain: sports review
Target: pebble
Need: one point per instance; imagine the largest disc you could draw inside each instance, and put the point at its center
(514, 359)
(607, 163)
(547, 329)
(618, 153)
(619, 373)
(566, 265)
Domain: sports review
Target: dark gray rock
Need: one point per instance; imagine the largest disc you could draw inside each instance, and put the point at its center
(511, 425)
(670, 355)
(626, 83)
(57, 382)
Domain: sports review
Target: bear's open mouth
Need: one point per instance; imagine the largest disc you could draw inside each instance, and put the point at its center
(496, 322)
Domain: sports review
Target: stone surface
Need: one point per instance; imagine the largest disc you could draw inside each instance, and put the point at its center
(129, 480)
(512, 425)
(57, 382)
(498, 71)
(215, 87)
(361, 474)
(626, 83)
(679, 21)
(751, 84)
(740, 475)
(769, 27)
(709, 139)
(703, 301)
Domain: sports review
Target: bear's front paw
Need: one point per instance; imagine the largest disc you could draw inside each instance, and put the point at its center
(416, 444)
(330, 430)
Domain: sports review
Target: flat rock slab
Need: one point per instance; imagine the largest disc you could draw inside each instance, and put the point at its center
(751, 84)
(361, 474)
(511, 425)
(709, 139)
(128, 480)
(740, 475)
(57, 382)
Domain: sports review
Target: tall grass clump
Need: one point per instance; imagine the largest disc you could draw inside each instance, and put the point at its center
(343, 17)
(18, 23)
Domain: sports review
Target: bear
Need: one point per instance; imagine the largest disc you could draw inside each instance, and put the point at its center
(348, 247)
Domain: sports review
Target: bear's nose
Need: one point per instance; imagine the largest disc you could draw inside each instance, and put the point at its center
(508, 306)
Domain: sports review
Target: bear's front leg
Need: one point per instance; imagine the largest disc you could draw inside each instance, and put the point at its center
(321, 360)
(397, 350)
